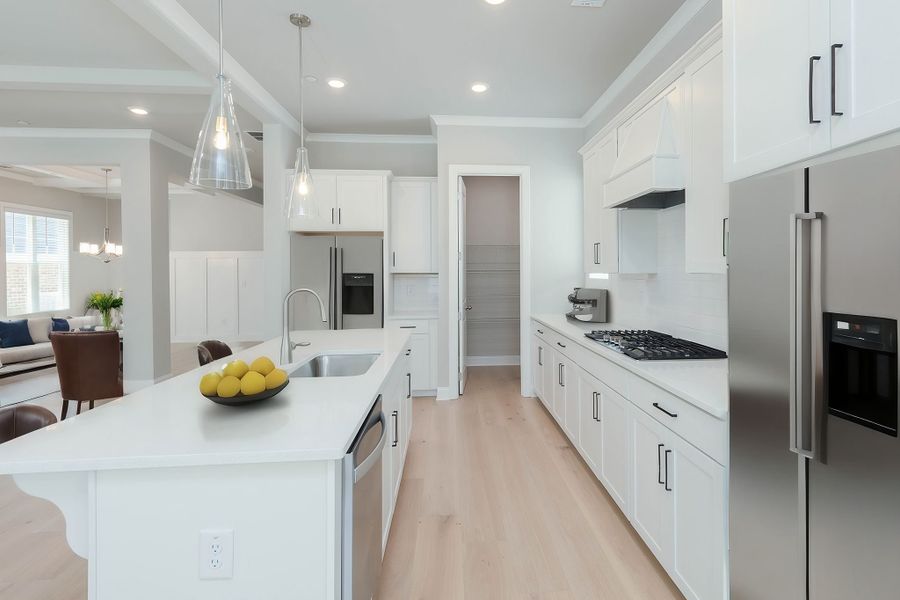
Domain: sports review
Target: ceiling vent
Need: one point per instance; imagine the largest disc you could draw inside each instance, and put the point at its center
(589, 3)
(256, 135)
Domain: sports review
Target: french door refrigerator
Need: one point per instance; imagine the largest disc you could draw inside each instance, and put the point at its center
(814, 298)
(347, 272)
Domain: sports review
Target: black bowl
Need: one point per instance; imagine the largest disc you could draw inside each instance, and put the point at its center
(241, 399)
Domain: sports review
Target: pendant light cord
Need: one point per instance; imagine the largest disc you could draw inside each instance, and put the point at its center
(221, 46)
(107, 202)
(302, 131)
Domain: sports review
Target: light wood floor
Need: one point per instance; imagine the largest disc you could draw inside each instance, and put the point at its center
(496, 504)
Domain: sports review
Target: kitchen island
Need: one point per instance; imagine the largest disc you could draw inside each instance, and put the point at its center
(139, 479)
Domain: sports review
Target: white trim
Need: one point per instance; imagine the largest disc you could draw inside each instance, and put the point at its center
(75, 132)
(523, 172)
(173, 145)
(91, 79)
(366, 138)
(492, 361)
(511, 122)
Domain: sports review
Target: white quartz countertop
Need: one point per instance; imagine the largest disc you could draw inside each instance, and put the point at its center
(703, 383)
(171, 424)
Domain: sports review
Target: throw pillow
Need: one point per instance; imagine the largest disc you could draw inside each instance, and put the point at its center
(14, 333)
(60, 324)
(39, 329)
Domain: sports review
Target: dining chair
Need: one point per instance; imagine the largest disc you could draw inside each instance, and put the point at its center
(211, 350)
(16, 421)
(88, 366)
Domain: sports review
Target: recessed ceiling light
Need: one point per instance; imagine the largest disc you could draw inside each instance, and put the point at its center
(337, 83)
(139, 110)
(495, 2)
(479, 88)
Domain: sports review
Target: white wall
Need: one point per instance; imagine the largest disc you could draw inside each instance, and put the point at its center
(692, 306)
(492, 211)
(556, 211)
(200, 222)
(405, 160)
(86, 274)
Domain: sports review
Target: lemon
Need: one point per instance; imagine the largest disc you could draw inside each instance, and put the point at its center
(229, 387)
(275, 379)
(237, 368)
(252, 383)
(262, 365)
(209, 383)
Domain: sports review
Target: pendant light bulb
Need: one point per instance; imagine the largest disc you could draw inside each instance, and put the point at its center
(220, 139)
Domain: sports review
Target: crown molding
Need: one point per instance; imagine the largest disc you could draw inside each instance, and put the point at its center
(365, 138)
(89, 79)
(75, 132)
(508, 122)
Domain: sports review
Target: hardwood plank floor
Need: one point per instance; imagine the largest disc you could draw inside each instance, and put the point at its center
(495, 503)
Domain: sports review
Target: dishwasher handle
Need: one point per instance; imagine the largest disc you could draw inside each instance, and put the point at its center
(374, 457)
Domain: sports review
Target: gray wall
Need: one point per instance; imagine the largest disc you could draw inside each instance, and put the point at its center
(200, 223)
(405, 160)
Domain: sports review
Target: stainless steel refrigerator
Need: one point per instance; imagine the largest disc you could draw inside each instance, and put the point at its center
(814, 298)
(347, 272)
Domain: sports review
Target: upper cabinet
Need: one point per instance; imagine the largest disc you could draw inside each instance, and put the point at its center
(413, 219)
(348, 201)
(706, 194)
(805, 77)
(601, 252)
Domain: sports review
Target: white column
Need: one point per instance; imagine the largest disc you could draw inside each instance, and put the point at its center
(279, 150)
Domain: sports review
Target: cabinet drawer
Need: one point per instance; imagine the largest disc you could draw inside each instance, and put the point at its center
(540, 330)
(701, 429)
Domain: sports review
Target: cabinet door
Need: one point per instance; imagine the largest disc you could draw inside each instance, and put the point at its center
(390, 402)
(651, 484)
(590, 394)
(774, 87)
(420, 343)
(572, 411)
(706, 193)
(549, 377)
(537, 366)
(325, 200)
(559, 388)
(360, 202)
(867, 90)
(411, 226)
(614, 453)
(699, 551)
(601, 245)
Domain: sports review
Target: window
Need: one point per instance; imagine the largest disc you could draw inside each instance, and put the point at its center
(37, 261)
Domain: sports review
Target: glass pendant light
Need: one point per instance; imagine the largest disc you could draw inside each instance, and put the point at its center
(220, 161)
(107, 251)
(301, 203)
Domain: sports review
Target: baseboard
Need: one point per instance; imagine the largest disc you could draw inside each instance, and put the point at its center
(492, 361)
(424, 393)
(447, 393)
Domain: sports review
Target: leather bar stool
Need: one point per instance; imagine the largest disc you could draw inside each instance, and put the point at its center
(16, 421)
(211, 350)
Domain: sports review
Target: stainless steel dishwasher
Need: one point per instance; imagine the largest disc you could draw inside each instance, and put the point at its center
(361, 512)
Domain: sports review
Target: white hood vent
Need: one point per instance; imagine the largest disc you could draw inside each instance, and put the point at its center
(648, 172)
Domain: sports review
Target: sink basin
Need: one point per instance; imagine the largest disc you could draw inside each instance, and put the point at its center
(336, 365)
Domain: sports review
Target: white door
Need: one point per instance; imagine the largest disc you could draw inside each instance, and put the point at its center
(651, 485)
(699, 551)
(775, 88)
(614, 456)
(866, 51)
(360, 202)
(601, 225)
(706, 193)
(324, 197)
(464, 306)
(537, 367)
(590, 393)
(410, 231)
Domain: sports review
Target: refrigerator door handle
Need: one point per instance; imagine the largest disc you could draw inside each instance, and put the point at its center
(806, 367)
(340, 282)
(330, 288)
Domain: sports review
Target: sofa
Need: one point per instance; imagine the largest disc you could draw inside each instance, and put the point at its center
(38, 353)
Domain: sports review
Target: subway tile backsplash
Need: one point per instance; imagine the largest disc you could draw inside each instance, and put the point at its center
(415, 293)
(692, 306)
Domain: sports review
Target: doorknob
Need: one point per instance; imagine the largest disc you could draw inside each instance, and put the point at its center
(468, 307)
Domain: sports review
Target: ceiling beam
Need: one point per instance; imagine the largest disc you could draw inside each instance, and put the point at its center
(85, 79)
(172, 25)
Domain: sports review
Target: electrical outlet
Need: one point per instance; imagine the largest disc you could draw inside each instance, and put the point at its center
(410, 290)
(216, 554)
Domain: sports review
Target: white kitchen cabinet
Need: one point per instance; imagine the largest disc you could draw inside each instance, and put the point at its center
(348, 201)
(565, 393)
(775, 88)
(413, 210)
(397, 409)
(706, 193)
(590, 394)
(423, 353)
(601, 239)
(866, 60)
(615, 447)
(537, 367)
(651, 503)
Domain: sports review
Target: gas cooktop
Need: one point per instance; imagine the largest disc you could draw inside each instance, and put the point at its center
(644, 344)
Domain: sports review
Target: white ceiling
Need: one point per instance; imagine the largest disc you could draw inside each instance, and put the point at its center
(407, 59)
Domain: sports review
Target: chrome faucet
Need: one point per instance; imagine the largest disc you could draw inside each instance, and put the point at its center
(287, 346)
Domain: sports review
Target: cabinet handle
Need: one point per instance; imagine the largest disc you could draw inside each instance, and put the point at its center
(394, 416)
(560, 344)
(332, 216)
(339, 216)
(409, 385)
(596, 407)
(658, 407)
(541, 331)
(724, 237)
(666, 460)
(562, 383)
(834, 110)
(596, 253)
(540, 356)
(659, 478)
(812, 68)
(393, 259)
(407, 327)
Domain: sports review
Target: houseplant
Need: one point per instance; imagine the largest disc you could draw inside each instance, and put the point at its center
(105, 303)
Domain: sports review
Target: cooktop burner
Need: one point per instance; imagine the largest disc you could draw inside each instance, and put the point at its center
(644, 344)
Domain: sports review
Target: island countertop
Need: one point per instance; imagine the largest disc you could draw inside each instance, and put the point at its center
(171, 425)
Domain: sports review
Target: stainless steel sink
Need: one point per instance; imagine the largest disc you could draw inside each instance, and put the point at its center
(336, 365)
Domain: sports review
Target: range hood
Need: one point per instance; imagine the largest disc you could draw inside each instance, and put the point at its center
(648, 172)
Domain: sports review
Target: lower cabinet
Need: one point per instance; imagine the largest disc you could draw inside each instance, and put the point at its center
(396, 398)
(423, 344)
(537, 367)
(615, 447)
(651, 500)
(590, 394)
